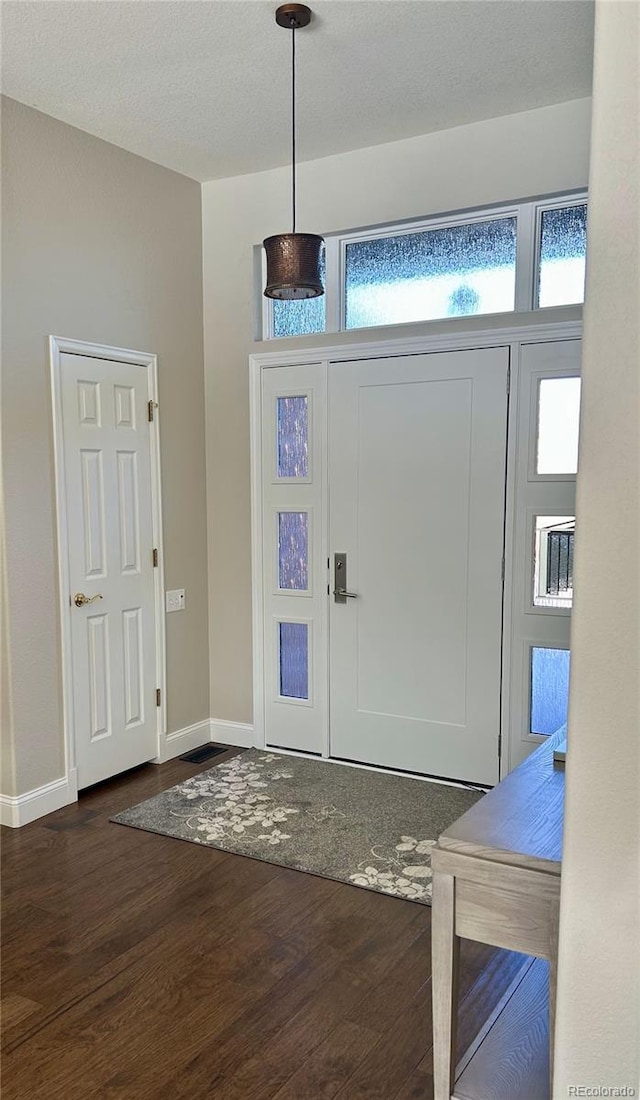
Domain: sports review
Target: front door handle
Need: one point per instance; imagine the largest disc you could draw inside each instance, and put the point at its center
(80, 599)
(340, 591)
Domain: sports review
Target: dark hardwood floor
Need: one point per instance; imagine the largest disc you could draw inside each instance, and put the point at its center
(137, 966)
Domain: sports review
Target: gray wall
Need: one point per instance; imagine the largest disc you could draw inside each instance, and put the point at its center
(98, 245)
(597, 1037)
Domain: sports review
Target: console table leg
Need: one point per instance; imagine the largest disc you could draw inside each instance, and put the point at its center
(445, 952)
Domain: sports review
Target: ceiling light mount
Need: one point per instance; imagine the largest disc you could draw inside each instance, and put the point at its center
(293, 16)
(293, 259)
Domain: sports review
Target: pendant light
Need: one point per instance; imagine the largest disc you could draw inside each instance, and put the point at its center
(293, 259)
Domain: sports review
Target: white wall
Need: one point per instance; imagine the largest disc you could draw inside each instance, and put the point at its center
(597, 1038)
(515, 157)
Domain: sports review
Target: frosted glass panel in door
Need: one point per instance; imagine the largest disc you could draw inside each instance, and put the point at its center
(294, 660)
(293, 437)
(293, 551)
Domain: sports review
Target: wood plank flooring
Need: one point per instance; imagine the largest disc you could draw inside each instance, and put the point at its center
(138, 966)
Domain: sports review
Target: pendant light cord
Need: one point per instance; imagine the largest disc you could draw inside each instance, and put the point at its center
(293, 122)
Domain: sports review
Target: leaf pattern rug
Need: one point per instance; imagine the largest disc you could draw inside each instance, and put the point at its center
(364, 827)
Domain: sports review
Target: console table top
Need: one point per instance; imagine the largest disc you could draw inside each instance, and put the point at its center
(520, 820)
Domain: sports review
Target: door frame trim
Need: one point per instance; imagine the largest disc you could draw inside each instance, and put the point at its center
(507, 333)
(59, 346)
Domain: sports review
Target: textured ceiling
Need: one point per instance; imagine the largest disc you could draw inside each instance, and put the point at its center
(202, 86)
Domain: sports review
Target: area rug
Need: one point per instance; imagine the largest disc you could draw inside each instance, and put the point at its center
(363, 827)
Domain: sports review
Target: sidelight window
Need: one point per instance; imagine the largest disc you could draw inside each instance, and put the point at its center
(549, 689)
(553, 561)
(558, 425)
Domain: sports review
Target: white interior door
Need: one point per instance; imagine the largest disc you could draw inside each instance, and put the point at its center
(107, 473)
(416, 476)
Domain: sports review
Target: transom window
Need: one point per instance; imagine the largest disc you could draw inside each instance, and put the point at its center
(562, 244)
(527, 256)
(449, 272)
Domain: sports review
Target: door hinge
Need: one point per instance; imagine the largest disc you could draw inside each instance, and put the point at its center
(509, 379)
(151, 406)
(502, 569)
(155, 558)
(500, 746)
(158, 697)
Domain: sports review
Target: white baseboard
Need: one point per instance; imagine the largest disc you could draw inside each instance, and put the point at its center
(190, 737)
(239, 734)
(25, 808)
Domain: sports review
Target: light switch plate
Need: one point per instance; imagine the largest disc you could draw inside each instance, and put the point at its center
(174, 599)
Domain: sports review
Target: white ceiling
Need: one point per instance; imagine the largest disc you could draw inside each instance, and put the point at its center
(202, 86)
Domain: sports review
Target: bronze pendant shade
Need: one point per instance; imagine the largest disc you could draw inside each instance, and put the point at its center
(293, 259)
(293, 266)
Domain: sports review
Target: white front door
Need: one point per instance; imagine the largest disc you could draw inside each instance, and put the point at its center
(108, 489)
(417, 449)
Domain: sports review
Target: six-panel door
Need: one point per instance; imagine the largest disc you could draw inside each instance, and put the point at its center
(110, 543)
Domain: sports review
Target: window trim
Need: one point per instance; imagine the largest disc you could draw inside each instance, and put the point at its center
(528, 216)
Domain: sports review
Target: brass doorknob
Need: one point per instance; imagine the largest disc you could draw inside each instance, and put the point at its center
(80, 599)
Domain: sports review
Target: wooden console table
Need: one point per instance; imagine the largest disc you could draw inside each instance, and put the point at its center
(496, 879)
